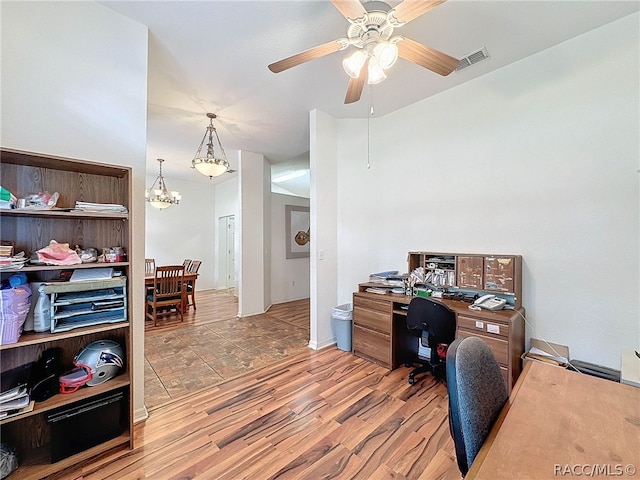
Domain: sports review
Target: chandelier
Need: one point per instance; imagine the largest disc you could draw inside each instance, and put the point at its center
(209, 165)
(160, 197)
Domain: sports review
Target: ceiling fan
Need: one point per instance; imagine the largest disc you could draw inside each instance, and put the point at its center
(371, 32)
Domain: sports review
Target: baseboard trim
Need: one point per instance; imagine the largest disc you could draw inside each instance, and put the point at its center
(321, 345)
(140, 414)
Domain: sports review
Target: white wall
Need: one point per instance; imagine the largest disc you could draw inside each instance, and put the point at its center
(539, 158)
(289, 276)
(325, 180)
(253, 234)
(74, 84)
(187, 230)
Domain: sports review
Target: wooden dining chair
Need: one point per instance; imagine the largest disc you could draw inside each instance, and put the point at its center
(168, 295)
(194, 266)
(187, 264)
(149, 266)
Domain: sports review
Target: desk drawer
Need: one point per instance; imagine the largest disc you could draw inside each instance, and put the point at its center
(372, 319)
(373, 346)
(498, 346)
(383, 306)
(505, 376)
(483, 325)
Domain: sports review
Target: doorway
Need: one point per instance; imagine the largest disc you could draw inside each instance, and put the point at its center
(226, 252)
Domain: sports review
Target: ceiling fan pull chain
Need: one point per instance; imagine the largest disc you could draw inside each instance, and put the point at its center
(369, 126)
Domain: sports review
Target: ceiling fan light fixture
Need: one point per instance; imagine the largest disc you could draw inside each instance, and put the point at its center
(208, 164)
(386, 53)
(376, 73)
(353, 63)
(160, 197)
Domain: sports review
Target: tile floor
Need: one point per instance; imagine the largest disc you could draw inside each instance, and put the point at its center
(213, 345)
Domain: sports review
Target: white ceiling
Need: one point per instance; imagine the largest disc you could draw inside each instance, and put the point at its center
(212, 56)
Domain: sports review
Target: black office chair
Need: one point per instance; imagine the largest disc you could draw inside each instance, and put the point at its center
(429, 316)
(476, 395)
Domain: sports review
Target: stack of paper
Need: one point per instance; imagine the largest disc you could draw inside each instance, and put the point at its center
(13, 262)
(546, 357)
(382, 276)
(14, 391)
(418, 276)
(101, 207)
(81, 275)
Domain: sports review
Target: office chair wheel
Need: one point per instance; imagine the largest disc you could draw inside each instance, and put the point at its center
(412, 381)
(408, 364)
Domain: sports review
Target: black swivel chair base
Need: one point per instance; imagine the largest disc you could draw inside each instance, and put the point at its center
(439, 372)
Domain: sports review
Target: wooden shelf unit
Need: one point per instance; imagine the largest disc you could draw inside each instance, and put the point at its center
(24, 173)
(481, 273)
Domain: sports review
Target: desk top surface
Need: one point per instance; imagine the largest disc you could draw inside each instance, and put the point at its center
(557, 420)
(457, 306)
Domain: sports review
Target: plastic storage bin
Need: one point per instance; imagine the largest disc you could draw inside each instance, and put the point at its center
(14, 307)
(85, 424)
(341, 319)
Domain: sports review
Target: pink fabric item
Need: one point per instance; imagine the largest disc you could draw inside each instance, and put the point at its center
(58, 254)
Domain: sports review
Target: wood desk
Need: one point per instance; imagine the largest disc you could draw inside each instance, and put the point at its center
(380, 331)
(559, 423)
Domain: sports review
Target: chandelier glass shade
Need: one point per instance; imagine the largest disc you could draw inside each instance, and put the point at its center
(158, 195)
(209, 164)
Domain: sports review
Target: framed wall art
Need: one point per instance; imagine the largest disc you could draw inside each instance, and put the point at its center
(297, 231)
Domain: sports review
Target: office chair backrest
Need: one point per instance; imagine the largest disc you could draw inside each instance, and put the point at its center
(476, 395)
(433, 317)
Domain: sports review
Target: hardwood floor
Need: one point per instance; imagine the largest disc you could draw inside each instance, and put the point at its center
(213, 345)
(303, 414)
(318, 414)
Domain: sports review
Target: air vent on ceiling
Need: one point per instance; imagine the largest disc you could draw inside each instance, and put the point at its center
(473, 58)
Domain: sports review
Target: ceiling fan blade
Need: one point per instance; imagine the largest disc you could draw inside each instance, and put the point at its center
(354, 89)
(302, 57)
(426, 57)
(410, 9)
(350, 9)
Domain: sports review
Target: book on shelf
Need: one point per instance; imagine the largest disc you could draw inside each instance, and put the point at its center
(15, 403)
(19, 411)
